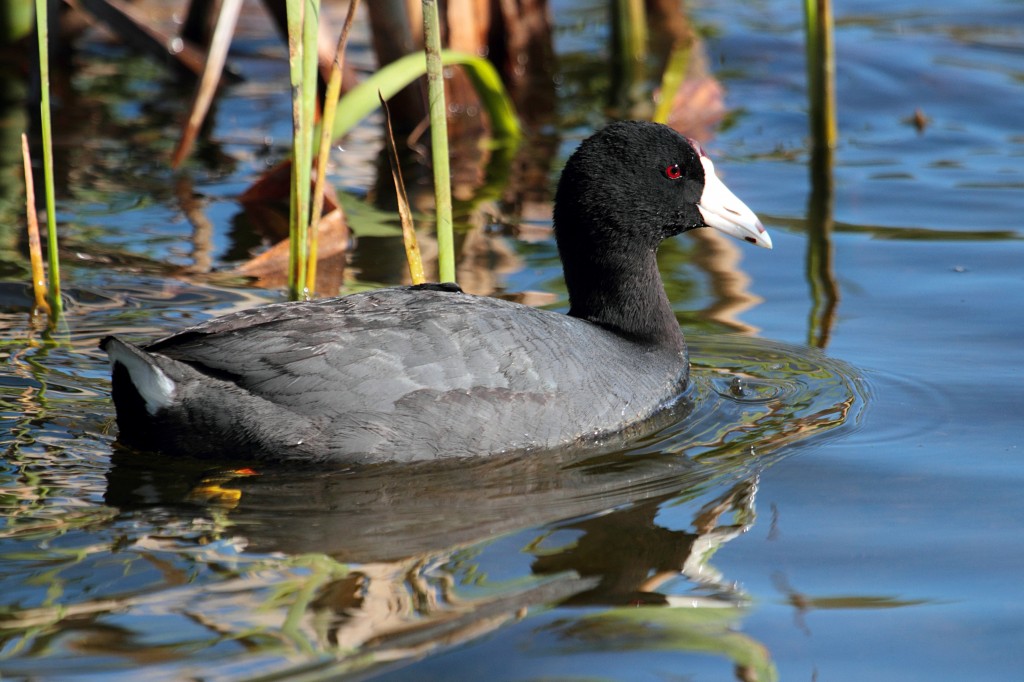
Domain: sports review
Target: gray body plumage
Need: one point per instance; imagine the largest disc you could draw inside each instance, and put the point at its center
(398, 374)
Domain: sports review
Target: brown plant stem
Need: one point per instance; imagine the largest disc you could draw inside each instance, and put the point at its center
(35, 250)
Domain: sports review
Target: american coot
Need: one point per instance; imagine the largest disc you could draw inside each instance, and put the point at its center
(415, 373)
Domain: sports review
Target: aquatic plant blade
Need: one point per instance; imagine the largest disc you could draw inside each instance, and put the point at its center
(35, 250)
(412, 247)
(359, 102)
(672, 79)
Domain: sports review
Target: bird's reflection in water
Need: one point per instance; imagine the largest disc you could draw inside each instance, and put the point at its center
(631, 556)
(413, 537)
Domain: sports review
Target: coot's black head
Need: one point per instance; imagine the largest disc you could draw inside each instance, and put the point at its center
(623, 191)
(635, 183)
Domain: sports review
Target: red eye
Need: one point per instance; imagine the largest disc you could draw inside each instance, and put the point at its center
(673, 172)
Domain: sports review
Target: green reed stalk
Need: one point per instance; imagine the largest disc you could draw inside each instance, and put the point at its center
(439, 142)
(303, 31)
(631, 18)
(821, 276)
(818, 23)
(629, 54)
(53, 258)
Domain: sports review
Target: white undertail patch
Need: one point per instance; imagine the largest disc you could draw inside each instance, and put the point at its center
(155, 387)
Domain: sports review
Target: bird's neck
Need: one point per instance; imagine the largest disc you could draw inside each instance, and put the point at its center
(622, 291)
